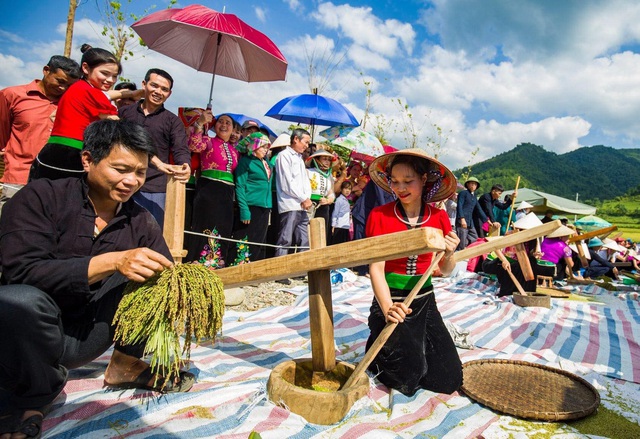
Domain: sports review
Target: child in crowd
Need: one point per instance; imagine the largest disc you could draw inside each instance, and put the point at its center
(341, 217)
(86, 101)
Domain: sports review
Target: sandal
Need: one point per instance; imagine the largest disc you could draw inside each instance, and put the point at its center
(186, 381)
(30, 427)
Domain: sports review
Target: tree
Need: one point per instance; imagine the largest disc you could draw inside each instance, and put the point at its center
(116, 25)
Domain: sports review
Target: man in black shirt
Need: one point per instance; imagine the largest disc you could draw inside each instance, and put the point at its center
(490, 200)
(169, 138)
(68, 248)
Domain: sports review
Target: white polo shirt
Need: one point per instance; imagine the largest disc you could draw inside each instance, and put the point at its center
(292, 181)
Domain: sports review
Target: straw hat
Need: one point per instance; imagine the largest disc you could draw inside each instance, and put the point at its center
(528, 222)
(611, 244)
(561, 231)
(320, 153)
(524, 205)
(283, 139)
(437, 174)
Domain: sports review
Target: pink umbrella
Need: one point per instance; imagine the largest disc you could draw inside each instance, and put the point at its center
(210, 41)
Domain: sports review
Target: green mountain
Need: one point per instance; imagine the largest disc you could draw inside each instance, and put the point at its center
(594, 172)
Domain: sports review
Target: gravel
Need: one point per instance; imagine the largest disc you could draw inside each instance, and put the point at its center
(267, 294)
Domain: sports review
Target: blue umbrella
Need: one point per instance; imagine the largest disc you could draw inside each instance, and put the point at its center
(591, 222)
(242, 118)
(312, 109)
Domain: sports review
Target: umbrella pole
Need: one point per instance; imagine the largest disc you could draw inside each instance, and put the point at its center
(215, 67)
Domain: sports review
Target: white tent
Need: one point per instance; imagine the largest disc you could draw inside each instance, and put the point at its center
(541, 202)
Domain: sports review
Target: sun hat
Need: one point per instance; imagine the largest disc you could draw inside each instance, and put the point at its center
(524, 205)
(441, 182)
(472, 179)
(252, 142)
(611, 244)
(561, 231)
(321, 153)
(283, 139)
(595, 242)
(528, 222)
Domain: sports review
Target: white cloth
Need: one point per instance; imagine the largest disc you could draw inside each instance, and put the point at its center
(321, 186)
(341, 217)
(292, 181)
(451, 208)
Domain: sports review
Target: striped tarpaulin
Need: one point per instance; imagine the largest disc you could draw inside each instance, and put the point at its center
(598, 341)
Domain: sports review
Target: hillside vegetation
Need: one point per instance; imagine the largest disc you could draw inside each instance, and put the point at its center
(595, 173)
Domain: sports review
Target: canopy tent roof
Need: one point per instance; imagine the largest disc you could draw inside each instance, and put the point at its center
(542, 201)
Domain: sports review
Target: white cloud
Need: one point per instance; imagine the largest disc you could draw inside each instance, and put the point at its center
(294, 5)
(359, 24)
(366, 59)
(261, 13)
(534, 30)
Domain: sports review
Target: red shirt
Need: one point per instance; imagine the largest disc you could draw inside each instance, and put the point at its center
(26, 119)
(80, 105)
(383, 220)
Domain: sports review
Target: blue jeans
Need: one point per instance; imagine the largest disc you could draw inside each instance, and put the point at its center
(293, 230)
(154, 202)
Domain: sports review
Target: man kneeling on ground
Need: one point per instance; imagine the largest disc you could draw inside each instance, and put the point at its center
(67, 250)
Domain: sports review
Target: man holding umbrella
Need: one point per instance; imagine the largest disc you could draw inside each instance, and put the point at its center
(293, 190)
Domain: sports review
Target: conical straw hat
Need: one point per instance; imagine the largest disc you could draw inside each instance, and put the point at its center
(378, 171)
(528, 222)
(524, 205)
(561, 231)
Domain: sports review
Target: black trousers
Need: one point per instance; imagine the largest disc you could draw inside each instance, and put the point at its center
(255, 231)
(40, 342)
(420, 352)
(212, 209)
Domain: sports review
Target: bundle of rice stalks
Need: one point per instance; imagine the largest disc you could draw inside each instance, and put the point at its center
(187, 299)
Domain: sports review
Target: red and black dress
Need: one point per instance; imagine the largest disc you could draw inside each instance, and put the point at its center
(420, 353)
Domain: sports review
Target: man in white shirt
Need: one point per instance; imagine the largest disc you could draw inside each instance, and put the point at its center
(293, 190)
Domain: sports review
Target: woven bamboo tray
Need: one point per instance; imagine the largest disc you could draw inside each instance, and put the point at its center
(528, 390)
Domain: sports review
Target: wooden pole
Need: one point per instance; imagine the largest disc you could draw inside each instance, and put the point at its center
(516, 283)
(71, 18)
(513, 203)
(348, 254)
(523, 261)
(323, 353)
(592, 234)
(390, 326)
(173, 231)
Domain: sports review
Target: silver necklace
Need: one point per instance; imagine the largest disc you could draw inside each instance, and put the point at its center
(407, 222)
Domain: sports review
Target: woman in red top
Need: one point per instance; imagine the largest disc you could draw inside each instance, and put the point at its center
(86, 101)
(420, 353)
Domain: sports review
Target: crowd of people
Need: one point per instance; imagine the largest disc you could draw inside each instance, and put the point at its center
(83, 199)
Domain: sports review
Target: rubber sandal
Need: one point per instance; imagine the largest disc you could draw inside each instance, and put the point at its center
(187, 379)
(31, 427)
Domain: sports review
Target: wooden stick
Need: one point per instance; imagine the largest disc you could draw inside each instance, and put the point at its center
(523, 261)
(390, 327)
(513, 203)
(516, 283)
(592, 234)
(506, 241)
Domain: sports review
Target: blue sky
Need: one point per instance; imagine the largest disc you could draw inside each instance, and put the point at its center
(490, 73)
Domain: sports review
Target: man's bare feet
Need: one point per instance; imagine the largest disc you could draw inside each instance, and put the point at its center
(128, 372)
(28, 426)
